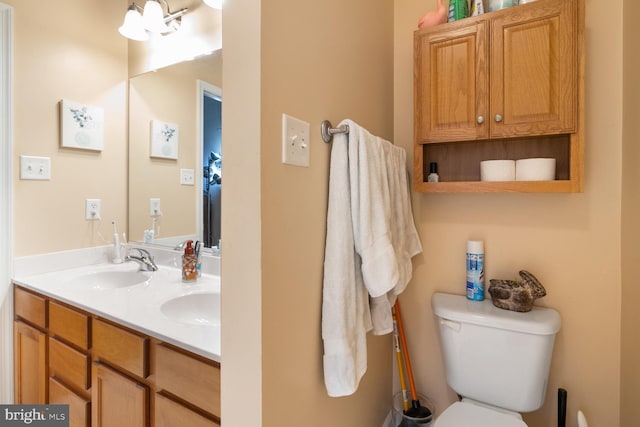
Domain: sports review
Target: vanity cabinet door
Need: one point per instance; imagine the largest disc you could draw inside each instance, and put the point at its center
(169, 413)
(117, 400)
(30, 360)
(79, 412)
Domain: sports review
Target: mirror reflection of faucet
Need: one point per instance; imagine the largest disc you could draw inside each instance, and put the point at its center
(143, 258)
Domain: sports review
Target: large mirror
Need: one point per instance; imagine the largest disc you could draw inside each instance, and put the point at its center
(175, 155)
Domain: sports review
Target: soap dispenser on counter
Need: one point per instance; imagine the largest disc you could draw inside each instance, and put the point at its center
(189, 263)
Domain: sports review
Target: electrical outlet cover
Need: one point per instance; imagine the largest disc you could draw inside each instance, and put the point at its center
(154, 207)
(92, 209)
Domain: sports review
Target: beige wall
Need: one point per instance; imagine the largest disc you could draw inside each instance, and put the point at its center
(169, 94)
(630, 354)
(571, 242)
(320, 60)
(84, 62)
(317, 60)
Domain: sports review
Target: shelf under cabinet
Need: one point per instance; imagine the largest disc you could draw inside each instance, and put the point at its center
(459, 164)
(557, 186)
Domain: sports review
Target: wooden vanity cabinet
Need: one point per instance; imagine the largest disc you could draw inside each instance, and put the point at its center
(503, 85)
(108, 374)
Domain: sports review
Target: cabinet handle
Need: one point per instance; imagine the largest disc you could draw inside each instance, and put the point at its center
(480, 120)
(498, 118)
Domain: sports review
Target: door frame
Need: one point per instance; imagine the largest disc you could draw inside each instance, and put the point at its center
(6, 201)
(203, 88)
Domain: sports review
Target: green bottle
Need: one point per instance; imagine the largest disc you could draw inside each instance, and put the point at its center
(457, 10)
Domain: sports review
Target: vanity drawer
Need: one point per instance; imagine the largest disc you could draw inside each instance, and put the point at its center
(120, 347)
(30, 307)
(188, 378)
(79, 409)
(69, 324)
(68, 365)
(170, 414)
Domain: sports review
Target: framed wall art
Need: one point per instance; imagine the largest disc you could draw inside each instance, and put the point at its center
(81, 126)
(164, 139)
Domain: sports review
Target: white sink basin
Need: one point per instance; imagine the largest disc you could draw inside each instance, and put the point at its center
(195, 309)
(101, 280)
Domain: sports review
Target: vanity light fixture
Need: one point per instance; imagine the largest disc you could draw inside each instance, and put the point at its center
(152, 19)
(216, 4)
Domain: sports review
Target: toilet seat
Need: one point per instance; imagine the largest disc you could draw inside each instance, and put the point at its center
(468, 414)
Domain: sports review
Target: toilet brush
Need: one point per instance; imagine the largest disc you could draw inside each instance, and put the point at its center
(562, 407)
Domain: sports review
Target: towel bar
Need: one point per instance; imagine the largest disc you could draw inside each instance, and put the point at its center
(327, 130)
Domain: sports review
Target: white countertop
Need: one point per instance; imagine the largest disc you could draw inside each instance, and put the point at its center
(137, 306)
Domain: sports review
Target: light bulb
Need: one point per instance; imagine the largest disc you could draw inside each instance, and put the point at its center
(132, 27)
(153, 17)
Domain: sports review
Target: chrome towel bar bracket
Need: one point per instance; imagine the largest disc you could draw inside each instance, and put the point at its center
(327, 130)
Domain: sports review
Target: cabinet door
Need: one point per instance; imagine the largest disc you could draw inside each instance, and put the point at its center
(451, 84)
(534, 71)
(30, 370)
(78, 405)
(117, 400)
(169, 413)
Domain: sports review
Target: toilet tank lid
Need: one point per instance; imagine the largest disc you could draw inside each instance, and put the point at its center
(538, 321)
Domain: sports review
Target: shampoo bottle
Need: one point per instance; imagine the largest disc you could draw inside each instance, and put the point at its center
(477, 7)
(475, 270)
(189, 263)
(457, 10)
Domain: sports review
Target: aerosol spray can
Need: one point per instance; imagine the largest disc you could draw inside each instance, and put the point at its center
(475, 270)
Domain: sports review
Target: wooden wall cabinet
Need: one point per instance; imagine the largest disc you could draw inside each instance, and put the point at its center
(504, 85)
(108, 374)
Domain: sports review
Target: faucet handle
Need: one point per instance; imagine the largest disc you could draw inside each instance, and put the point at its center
(143, 252)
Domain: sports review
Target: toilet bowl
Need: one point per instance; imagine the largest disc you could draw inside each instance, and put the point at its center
(497, 360)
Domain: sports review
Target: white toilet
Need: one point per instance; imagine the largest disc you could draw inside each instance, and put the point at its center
(496, 360)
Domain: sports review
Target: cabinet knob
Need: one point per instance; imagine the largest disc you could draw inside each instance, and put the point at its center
(498, 118)
(480, 120)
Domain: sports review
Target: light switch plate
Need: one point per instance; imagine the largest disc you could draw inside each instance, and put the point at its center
(186, 177)
(295, 141)
(32, 167)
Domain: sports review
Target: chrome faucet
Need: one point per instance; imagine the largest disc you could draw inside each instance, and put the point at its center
(143, 258)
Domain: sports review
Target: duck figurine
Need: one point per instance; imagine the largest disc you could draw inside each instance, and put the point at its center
(516, 295)
(434, 17)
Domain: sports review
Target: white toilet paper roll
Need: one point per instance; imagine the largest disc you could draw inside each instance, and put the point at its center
(537, 169)
(497, 170)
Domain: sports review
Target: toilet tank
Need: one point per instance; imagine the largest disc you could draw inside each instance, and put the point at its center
(496, 356)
